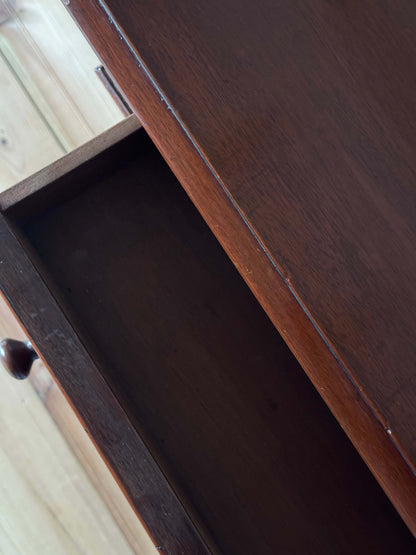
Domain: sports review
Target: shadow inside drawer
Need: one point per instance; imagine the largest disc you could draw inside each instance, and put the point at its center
(196, 364)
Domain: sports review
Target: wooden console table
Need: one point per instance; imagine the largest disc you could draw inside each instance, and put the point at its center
(290, 127)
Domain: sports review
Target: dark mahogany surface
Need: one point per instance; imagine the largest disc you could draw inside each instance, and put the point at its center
(306, 112)
(291, 126)
(226, 410)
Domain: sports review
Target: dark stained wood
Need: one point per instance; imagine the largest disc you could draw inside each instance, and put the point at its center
(97, 407)
(108, 83)
(289, 124)
(63, 165)
(226, 410)
(17, 357)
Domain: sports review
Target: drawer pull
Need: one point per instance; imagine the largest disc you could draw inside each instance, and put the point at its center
(17, 357)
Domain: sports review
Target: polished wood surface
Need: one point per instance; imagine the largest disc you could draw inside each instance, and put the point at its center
(290, 127)
(17, 357)
(237, 428)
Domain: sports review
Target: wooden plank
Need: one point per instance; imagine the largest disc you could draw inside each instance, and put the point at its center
(26, 142)
(67, 163)
(51, 100)
(295, 179)
(96, 406)
(55, 60)
(48, 504)
(223, 405)
(92, 463)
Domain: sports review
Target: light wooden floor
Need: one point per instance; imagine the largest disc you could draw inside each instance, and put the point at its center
(51, 100)
(57, 495)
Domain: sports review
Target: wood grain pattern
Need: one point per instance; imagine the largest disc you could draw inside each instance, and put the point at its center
(21, 153)
(299, 157)
(227, 412)
(67, 163)
(51, 100)
(48, 504)
(58, 62)
(92, 463)
(96, 405)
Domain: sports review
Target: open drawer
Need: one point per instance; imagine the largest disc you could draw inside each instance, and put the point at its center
(210, 425)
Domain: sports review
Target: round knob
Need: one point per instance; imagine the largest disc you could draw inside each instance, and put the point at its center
(17, 357)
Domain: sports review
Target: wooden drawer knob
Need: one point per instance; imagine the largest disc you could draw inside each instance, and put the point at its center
(17, 357)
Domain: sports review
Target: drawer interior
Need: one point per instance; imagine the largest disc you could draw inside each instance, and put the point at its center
(221, 402)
